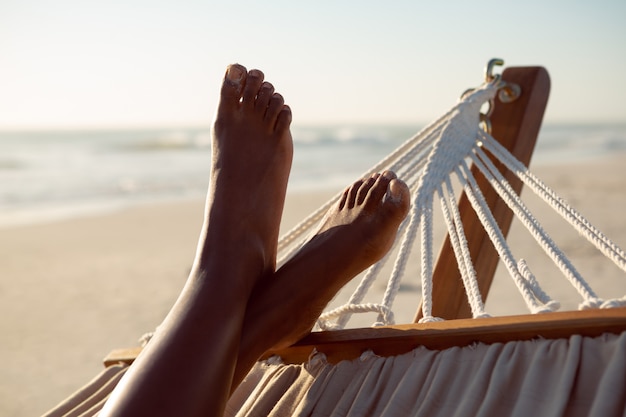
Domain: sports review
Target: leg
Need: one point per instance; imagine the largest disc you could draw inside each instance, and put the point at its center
(355, 234)
(188, 366)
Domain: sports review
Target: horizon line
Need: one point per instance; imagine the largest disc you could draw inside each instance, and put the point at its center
(305, 124)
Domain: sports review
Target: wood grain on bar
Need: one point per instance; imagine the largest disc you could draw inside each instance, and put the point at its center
(395, 340)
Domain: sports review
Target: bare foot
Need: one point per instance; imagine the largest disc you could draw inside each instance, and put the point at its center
(194, 351)
(355, 234)
(252, 153)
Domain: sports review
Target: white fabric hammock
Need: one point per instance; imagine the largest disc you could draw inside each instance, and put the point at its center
(572, 377)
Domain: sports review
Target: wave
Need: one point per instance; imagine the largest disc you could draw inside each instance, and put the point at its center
(352, 134)
(168, 141)
(44, 169)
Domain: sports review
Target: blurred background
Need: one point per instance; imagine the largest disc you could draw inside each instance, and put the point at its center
(105, 114)
(95, 97)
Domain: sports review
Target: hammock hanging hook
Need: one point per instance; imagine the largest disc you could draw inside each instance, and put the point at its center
(485, 123)
(507, 92)
(489, 75)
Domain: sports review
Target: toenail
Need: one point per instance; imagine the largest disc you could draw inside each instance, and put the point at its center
(394, 195)
(389, 175)
(256, 73)
(234, 73)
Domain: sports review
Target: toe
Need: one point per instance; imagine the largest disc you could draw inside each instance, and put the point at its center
(350, 194)
(344, 199)
(263, 97)
(398, 198)
(378, 189)
(353, 192)
(274, 108)
(284, 119)
(233, 85)
(389, 175)
(366, 187)
(254, 80)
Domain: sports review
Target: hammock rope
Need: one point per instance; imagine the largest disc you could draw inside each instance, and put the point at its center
(433, 163)
(427, 162)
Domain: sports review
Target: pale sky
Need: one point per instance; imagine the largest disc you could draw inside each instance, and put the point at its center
(143, 63)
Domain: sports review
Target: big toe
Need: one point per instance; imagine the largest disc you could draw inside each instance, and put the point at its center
(233, 85)
(397, 199)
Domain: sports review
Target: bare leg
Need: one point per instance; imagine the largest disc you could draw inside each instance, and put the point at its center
(354, 235)
(187, 367)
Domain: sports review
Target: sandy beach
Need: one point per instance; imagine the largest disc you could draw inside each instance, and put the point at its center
(72, 290)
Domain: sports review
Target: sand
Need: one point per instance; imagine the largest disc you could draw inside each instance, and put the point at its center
(72, 290)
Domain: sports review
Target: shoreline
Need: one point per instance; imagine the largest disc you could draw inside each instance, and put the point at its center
(76, 288)
(47, 212)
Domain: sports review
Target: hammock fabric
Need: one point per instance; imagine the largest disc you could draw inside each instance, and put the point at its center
(578, 376)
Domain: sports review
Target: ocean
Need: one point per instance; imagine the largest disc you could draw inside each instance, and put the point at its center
(50, 175)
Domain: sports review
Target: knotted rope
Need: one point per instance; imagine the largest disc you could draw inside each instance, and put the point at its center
(427, 162)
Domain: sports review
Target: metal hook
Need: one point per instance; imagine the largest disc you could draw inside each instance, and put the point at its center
(507, 92)
(489, 76)
(485, 123)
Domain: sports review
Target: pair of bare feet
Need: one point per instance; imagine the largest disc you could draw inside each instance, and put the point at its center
(235, 304)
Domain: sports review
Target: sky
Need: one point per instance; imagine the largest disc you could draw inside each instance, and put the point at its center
(74, 64)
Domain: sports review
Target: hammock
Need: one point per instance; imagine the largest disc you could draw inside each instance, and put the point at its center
(565, 363)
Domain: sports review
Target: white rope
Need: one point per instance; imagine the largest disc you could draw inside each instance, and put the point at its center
(540, 295)
(460, 247)
(509, 196)
(477, 200)
(364, 286)
(582, 225)
(425, 162)
(427, 262)
(324, 320)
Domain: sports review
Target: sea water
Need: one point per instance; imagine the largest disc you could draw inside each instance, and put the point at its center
(48, 175)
